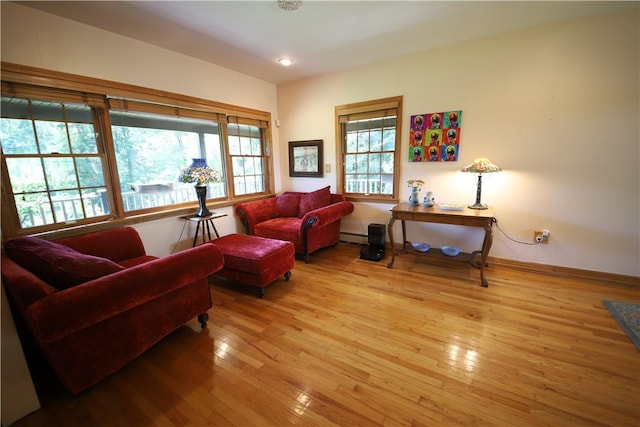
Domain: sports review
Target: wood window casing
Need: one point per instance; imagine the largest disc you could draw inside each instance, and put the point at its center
(344, 114)
(39, 83)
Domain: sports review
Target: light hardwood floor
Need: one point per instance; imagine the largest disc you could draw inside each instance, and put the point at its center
(350, 342)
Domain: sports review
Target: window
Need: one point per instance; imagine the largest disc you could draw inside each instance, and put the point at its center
(369, 138)
(152, 149)
(55, 162)
(72, 157)
(247, 158)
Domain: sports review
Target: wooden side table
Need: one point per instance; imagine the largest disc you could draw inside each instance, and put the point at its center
(468, 217)
(204, 224)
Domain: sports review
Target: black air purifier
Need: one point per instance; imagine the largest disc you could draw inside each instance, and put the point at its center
(374, 251)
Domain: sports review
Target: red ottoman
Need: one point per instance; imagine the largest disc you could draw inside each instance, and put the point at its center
(255, 261)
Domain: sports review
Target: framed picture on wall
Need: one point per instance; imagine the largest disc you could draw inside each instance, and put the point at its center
(305, 158)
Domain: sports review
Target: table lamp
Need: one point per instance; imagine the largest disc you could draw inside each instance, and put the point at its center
(200, 174)
(480, 165)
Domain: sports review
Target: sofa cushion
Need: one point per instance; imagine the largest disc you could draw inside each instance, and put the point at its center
(56, 264)
(287, 205)
(314, 200)
(280, 228)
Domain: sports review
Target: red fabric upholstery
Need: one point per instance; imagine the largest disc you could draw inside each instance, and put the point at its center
(31, 287)
(255, 212)
(288, 229)
(57, 264)
(117, 244)
(314, 200)
(89, 331)
(254, 260)
(287, 205)
(316, 229)
(136, 261)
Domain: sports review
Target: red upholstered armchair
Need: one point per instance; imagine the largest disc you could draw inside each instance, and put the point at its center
(93, 303)
(310, 220)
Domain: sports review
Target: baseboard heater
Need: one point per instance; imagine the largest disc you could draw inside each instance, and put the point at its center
(358, 238)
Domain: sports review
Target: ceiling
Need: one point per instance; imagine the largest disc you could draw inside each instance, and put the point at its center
(321, 36)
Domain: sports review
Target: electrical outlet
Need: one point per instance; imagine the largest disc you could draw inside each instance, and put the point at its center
(541, 236)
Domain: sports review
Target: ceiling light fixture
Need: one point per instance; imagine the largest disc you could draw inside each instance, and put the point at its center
(289, 4)
(285, 62)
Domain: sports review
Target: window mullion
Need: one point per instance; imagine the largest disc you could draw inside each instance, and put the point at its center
(102, 124)
(224, 137)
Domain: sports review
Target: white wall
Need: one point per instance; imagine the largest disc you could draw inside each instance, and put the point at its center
(556, 107)
(38, 39)
(18, 395)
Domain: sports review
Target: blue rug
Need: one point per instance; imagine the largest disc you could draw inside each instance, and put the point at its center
(628, 317)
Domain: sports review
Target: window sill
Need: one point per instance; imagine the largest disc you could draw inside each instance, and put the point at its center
(372, 199)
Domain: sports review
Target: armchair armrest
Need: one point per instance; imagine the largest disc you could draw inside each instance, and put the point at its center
(77, 308)
(255, 212)
(322, 217)
(22, 286)
(327, 214)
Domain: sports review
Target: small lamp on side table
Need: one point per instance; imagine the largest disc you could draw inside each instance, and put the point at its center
(480, 165)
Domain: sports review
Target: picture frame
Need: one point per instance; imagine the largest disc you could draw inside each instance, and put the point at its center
(305, 158)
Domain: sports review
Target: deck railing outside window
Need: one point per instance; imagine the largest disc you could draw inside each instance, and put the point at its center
(67, 209)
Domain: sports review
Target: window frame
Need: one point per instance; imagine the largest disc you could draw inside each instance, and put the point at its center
(156, 114)
(95, 104)
(55, 84)
(368, 109)
(265, 150)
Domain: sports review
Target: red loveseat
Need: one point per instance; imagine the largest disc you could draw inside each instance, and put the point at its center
(310, 221)
(95, 302)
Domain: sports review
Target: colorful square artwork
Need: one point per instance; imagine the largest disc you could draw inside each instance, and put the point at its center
(435, 137)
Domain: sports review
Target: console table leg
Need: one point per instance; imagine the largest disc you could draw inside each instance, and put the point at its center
(473, 260)
(393, 248)
(486, 246)
(483, 281)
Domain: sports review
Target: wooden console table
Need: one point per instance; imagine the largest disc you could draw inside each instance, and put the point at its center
(468, 217)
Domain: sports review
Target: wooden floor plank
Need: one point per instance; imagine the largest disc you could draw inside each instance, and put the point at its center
(351, 342)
